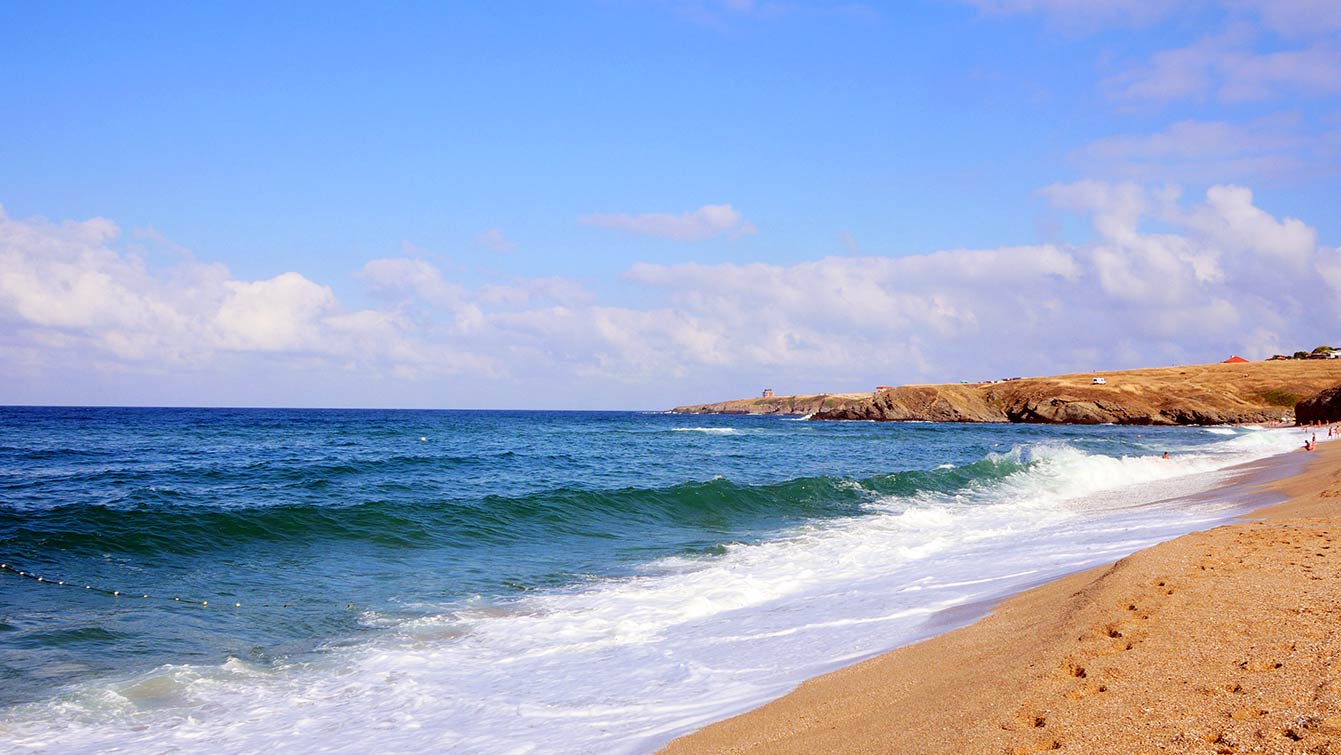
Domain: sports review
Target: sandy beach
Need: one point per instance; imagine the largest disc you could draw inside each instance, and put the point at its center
(1223, 641)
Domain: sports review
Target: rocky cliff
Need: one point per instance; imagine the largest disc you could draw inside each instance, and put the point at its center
(1324, 406)
(1195, 394)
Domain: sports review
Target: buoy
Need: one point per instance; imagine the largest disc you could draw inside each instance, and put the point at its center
(423, 437)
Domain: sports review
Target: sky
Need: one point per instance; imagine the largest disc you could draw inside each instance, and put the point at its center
(634, 204)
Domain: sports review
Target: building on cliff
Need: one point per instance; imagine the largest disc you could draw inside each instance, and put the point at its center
(768, 393)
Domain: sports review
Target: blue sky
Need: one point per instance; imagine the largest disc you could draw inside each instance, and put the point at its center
(621, 204)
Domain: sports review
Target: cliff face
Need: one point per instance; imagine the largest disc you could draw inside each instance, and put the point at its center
(927, 403)
(1321, 407)
(1208, 394)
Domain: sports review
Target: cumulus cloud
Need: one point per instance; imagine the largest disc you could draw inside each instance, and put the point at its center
(708, 221)
(1166, 278)
(1230, 221)
(69, 284)
(404, 277)
(1220, 275)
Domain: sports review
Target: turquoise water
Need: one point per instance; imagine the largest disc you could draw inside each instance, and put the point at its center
(322, 539)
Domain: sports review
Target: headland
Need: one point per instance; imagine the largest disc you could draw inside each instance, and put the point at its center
(1205, 394)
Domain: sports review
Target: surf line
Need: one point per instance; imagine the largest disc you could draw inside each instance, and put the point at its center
(5, 567)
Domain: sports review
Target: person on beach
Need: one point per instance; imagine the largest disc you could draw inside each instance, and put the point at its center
(1165, 456)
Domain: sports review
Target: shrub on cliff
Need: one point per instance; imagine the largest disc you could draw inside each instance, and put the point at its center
(1278, 397)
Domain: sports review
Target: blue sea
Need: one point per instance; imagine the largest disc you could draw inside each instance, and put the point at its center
(239, 581)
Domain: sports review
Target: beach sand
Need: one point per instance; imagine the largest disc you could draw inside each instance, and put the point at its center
(1224, 641)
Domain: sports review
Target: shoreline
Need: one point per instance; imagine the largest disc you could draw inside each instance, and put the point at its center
(1218, 641)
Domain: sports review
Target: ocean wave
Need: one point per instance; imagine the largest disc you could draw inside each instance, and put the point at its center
(622, 664)
(164, 520)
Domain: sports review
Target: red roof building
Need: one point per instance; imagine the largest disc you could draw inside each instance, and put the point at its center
(1236, 359)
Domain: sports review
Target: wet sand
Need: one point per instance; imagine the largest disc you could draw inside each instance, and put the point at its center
(1223, 641)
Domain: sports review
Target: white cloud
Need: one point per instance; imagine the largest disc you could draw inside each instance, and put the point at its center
(1166, 279)
(708, 221)
(398, 278)
(531, 291)
(1230, 220)
(67, 284)
(283, 313)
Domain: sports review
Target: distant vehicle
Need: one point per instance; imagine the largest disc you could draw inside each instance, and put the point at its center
(1099, 381)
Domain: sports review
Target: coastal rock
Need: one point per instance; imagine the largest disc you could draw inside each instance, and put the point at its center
(1324, 406)
(1061, 410)
(918, 403)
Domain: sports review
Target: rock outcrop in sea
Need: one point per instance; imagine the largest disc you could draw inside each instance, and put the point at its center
(1324, 406)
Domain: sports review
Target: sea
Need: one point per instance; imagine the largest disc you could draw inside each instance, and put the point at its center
(355, 581)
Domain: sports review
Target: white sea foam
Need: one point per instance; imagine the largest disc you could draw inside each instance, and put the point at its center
(708, 430)
(622, 665)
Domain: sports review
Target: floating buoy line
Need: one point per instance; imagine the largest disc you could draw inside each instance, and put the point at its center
(133, 595)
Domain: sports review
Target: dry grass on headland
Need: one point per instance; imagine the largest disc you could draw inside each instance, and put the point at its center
(1224, 641)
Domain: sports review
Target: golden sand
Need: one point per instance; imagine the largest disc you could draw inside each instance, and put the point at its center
(1224, 641)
